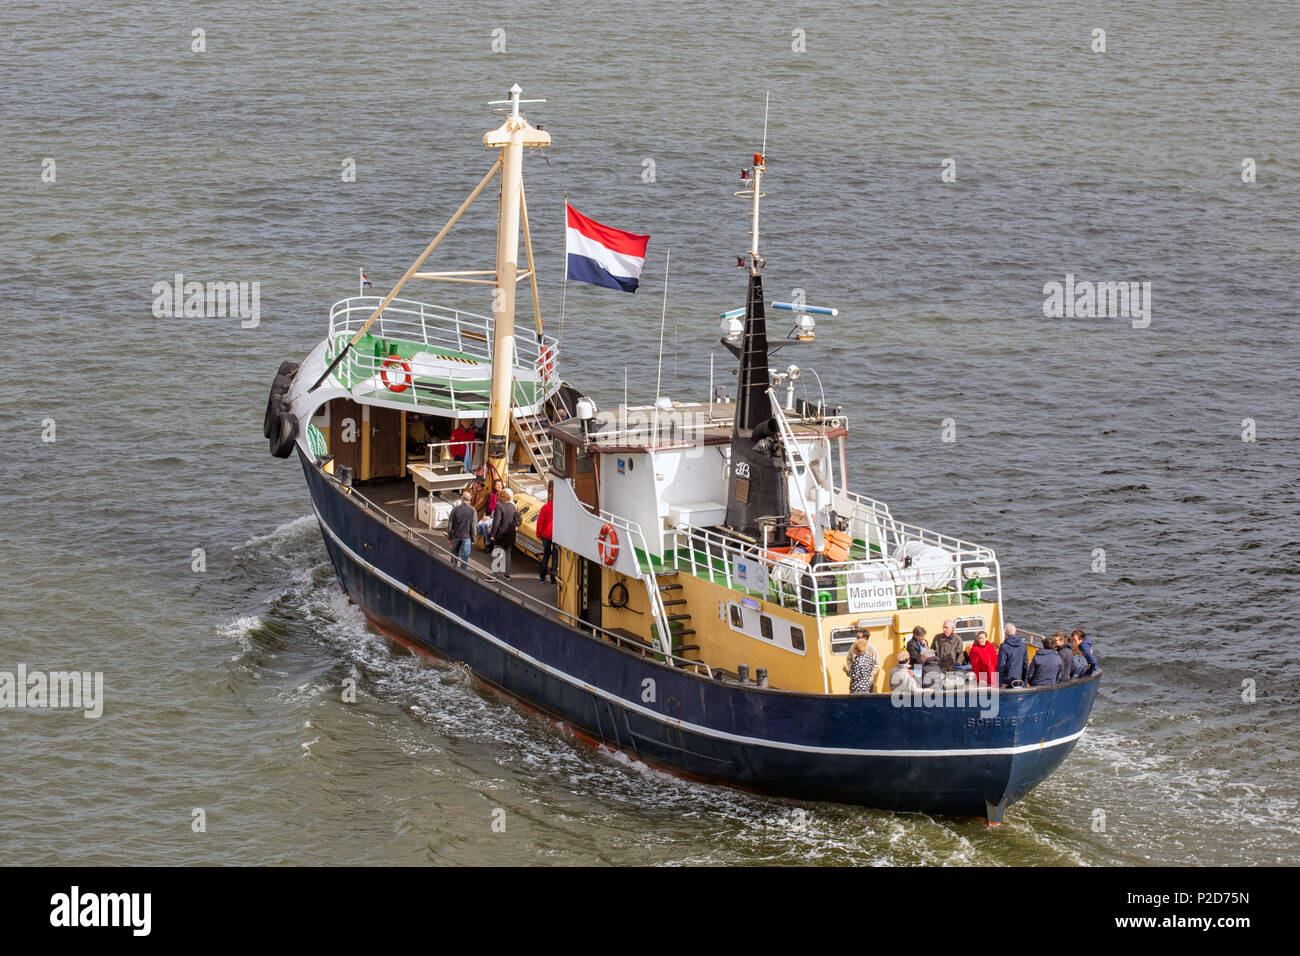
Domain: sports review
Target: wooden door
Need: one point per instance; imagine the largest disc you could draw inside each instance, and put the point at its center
(387, 445)
(584, 480)
(345, 435)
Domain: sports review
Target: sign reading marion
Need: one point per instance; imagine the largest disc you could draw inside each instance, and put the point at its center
(871, 596)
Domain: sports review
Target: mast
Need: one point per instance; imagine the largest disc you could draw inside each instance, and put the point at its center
(510, 138)
(757, 485)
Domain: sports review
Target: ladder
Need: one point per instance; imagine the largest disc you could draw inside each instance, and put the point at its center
(665, 597)
(531, 430)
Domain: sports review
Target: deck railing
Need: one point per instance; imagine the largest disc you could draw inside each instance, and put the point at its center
(447, 330)
(974, 575)
(512, 593)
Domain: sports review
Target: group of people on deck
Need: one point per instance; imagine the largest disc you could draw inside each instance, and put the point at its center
(1060, 659)
(497, 528)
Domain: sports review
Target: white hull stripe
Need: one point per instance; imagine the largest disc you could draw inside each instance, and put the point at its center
(671, 721)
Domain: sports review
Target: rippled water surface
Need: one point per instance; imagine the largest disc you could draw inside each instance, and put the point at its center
(1072, 434)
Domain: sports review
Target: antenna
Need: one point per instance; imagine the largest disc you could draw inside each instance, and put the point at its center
(766, 102)
(663, 319)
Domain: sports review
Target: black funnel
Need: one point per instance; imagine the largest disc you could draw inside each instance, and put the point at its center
(757, 488)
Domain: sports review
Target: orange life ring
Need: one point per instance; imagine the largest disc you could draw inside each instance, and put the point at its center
(395, 361)
(607, 545)
(545, 363)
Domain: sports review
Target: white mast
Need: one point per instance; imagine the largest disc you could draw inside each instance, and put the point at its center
(511, 138)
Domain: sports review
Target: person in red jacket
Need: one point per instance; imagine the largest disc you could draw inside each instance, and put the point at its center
(984, 659)
(545, 527)
(465, 450)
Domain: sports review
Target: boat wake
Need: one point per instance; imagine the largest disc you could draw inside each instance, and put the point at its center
(308, 637)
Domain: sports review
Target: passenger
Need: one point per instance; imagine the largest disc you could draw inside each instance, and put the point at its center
(901, 677)
(460, 528)
(984, 659)
(505, 521)
(545, 526)
(1067, 658)
(464, 451)
(1012, 659)
(917, 644)
(485, 525)
(931, 670)
(861, 666)
(947, 647)
(1085, 648)
(1079, 662)
(1045, 665)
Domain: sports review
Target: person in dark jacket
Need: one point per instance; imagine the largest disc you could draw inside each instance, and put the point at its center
(1012, 658)
(947, 647)
(1045, 666)
(931, 671)
(460, 528)
(502, 533)
(1085, 648)
(861, 666)
(1080, 662)
(917, 644)
(1061, 646)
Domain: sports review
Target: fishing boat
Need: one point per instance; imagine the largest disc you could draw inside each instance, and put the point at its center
(714, 566)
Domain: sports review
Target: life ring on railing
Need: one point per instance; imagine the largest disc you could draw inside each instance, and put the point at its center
(607, 545)
(404, 382)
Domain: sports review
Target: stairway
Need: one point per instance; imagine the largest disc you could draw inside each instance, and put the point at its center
(670, 598)
(531, 430)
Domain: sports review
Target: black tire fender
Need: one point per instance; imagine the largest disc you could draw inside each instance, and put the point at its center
(275, 401)
(283, 434)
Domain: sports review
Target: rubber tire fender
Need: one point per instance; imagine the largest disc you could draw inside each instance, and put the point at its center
(275, 401)
(283, 434)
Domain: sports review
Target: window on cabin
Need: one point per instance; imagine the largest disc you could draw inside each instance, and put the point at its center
(796, 637)
(765, 626)
(842, 639)
(737, 617)
(967, 627)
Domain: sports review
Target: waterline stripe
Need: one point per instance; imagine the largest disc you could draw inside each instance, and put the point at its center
(664, 718)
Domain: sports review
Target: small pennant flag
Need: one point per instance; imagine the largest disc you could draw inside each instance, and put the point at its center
(365, 280)
(601, 255)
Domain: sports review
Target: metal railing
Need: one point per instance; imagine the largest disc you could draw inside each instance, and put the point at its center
(472, 443)
(435, 327)
(510, 592)
(825, 591)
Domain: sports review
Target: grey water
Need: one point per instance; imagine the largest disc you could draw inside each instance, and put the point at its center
(1139, 482)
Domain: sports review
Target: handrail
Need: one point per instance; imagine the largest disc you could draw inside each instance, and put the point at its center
(821, 591)
(522, 597)
(436, 327)
(647, 576)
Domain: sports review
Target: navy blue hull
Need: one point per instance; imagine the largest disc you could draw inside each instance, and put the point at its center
(860, 749)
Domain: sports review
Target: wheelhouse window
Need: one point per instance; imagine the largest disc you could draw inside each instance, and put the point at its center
(737, 617)
(967, 627)
(842, 639)
(796, 637)
(765, 626)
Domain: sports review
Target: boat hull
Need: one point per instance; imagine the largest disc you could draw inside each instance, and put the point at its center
(858, 749)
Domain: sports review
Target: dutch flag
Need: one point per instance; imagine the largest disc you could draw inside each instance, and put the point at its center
(601, 255)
